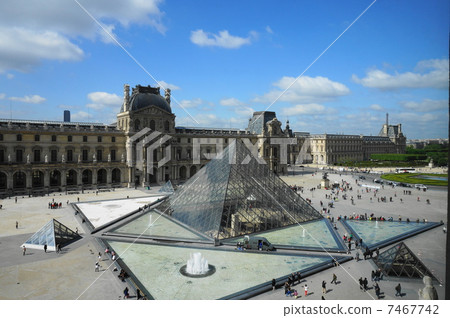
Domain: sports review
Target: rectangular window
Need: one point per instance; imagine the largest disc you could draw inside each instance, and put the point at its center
(113, 155)
(69, 138)
(2, 155)
(53, 137)
(37, 155)
(84, 138)
(19, 137)
(53, 155)
(99, 138)
(85, 155)
(1, 137)
(113, 139)
(70, 155)
(37, 137)
(189, 140)
(99, 155)
(19, 155)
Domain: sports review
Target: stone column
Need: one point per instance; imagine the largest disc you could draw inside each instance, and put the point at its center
(46, 178)
(94, 177)
(109, 176)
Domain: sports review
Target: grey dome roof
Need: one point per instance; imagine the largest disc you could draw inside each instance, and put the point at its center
(141, 100)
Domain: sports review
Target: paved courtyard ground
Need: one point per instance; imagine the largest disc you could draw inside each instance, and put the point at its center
(71, 275)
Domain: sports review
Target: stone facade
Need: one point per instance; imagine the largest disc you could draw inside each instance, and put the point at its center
(38, 157)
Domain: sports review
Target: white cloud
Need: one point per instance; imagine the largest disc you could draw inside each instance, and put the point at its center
(33, 99)
(376, 107)
(417, 118)
(165, 85)
(425, 105)
(224, 39)
(269, 30)
(193, 103)
(305, 109)
(2, 95)
(32, 30)
(101, 100)
(22, 49)
(436, 76)
(304, 90)
(231, 102)
(79, 116)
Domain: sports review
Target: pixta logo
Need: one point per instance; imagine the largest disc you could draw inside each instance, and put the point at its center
(147, 142)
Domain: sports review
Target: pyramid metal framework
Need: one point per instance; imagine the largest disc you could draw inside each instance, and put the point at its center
(51, 234)
(400, 261)
(167, 188)
(235, 195)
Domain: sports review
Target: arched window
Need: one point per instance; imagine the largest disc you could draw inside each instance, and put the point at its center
(137, 125)
(166, 126)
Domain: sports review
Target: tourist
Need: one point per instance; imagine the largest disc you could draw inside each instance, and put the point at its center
(17, 225)
(125, 293)
(306, 290)
(357, 256)
(45, 248)
(24, 249)
(377, 290)
(324, 287)
(299, 277)
(398, 290)
(361, 283)
(334, 280)
(274, 284)
(138, 294)
(97, 267)
(295, 294)
(372, 276)
(365, 282)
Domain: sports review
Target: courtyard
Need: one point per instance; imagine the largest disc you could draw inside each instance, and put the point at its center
(71, 275)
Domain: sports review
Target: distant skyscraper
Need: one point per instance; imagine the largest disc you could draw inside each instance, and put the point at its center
(67, 116)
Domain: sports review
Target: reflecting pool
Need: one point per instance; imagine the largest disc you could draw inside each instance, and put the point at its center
(158, 269)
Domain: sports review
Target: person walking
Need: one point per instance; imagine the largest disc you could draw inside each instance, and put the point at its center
(125, 293)
(45, 248)
(334, 280)
(274, 284)
(365, 282)
(377, 290)
(24, 249)
(97, 267)
(306, 290)
(17, 225)
(398, 290)
(324, 287)
(361, 283)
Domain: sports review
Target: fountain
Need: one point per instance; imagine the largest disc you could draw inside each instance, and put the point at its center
(304, 233)
(197, 266)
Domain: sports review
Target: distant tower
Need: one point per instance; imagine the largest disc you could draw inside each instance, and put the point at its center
(67, 116)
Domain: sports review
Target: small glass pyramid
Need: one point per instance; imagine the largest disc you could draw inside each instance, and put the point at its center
(235, 195)
(167, 188)
(51, 234)
(400, 261)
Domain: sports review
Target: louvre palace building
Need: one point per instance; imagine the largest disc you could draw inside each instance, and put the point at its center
(145, 147)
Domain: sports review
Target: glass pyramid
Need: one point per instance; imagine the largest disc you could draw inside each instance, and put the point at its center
(400, 261)
(235, 195)
(167, 188)
(51, 234)
(382, 233)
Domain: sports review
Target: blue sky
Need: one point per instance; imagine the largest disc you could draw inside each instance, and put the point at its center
(225, 59)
